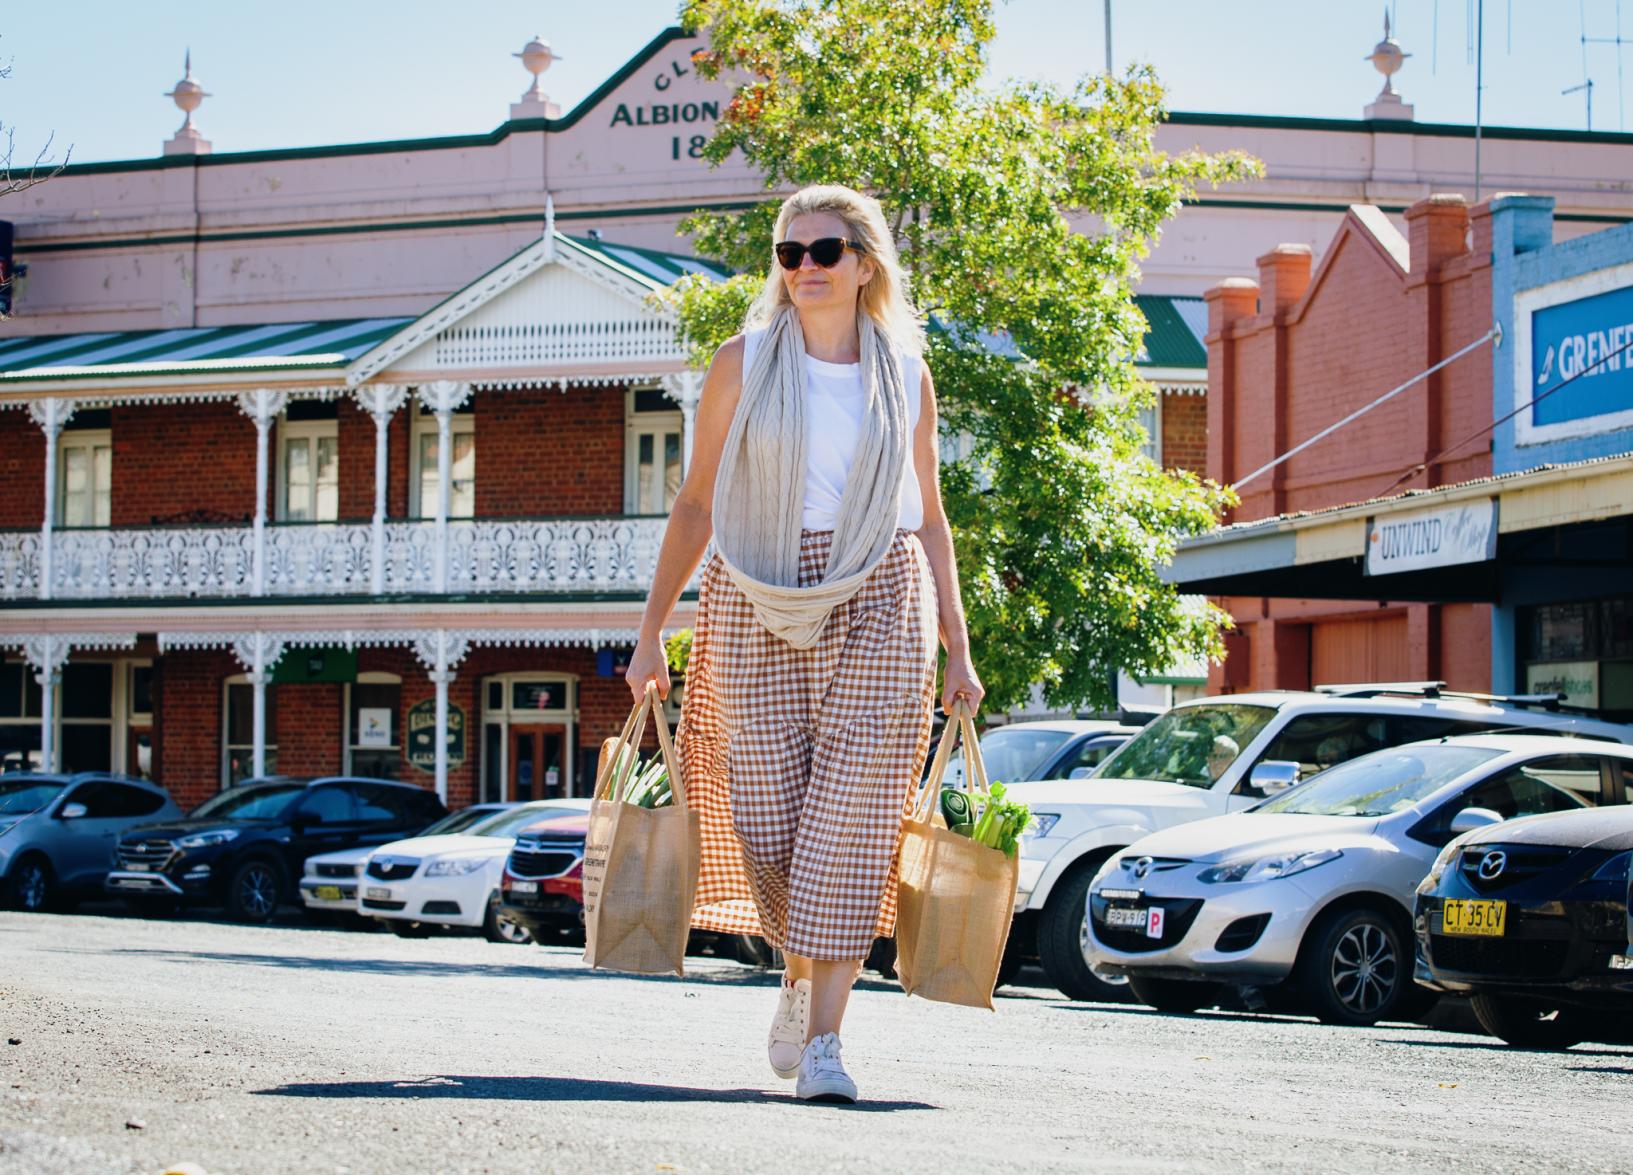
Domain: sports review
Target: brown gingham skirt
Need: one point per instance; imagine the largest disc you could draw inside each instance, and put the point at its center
(803, 762)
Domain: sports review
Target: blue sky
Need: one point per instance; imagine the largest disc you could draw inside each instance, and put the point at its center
(298, 73)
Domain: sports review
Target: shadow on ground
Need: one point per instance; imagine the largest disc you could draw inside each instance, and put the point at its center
(551, 1089)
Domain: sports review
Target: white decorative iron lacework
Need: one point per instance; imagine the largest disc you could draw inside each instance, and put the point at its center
(423, 641)
(336, 559)
(19, 564)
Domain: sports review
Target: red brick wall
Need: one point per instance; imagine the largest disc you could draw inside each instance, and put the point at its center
(548, 453)
(187, 707)
(308, 730)
(1185, 432)
(22, 472)
(356, 439)
(175, 459)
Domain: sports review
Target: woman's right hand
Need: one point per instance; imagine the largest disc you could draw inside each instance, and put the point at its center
(648, 663)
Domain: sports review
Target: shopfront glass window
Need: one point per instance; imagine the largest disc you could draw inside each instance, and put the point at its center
(240, 740)
(376, 738)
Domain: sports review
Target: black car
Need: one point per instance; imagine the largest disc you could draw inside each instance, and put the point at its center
(244, 848)
(1528, 918)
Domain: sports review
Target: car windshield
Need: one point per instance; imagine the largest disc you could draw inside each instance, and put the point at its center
(266, 801)
(461, 821)
(1193, 745)
(19, 797)
(511, 822)
(1013, 753)
(1380, 783)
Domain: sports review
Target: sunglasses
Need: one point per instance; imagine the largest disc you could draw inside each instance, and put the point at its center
(826, 252)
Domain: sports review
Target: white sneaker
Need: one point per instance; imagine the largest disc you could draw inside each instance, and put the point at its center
(786, 1040)
(822, 1076)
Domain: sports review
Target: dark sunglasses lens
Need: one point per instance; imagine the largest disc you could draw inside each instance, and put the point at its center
(790, 254)
(827, 251)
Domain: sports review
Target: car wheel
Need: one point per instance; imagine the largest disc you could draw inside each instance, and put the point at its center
(499, 926)
(1354, 968)
(405, 929)
(254, 891)
(754, 951)
(1173, 995)
(1063, 932)
(1014, 957)
(1529, 1024)
(31, 886)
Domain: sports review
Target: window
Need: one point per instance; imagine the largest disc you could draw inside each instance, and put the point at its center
(85, 477)
(327, 805)
(86, 717)
(19, 717)
(1540, 786)
(1150, 418)
(1089, 754)
(1193, 745)
(392, 805)
(652, 453)
(1317, 741)
(461, 483)
(308, 471)
(107, 800)
(373, 731)
(238, 747)
(1621, 781)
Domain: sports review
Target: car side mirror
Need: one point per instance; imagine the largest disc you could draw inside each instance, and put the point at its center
(72, 812)
(1273, 776)
(1081, 773)
(1471, 818)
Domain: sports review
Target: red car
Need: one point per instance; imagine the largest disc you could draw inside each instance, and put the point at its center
(543, 883)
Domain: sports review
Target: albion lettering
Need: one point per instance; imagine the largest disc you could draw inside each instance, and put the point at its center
(665, 114)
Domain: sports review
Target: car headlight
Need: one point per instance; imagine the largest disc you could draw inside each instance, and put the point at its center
(1438, 869)
(1267, 868)
(203, 840)
(455, 867)
(1042, 822)
(1614, 869)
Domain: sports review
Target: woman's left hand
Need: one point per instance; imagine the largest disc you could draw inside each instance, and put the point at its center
(960, 678)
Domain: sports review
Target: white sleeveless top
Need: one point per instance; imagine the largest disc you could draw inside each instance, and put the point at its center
(833, 422)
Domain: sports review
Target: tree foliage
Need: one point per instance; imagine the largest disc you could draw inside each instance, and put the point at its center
(1022, 213)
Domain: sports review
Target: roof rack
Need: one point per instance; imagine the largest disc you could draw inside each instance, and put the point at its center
(1552, 702)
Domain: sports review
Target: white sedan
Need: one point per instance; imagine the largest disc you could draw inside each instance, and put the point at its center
(413, 885)
(330, 881)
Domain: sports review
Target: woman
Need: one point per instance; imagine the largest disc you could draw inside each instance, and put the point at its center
(809, 689)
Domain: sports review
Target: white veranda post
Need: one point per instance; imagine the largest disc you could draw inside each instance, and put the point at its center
(261, 405)
(440, 651)
(380, 401)
(443, 397)
(258, 652)
(686, 389)
(51, 416)
(46, 654)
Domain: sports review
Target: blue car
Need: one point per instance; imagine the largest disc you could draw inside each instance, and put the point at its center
(57, 832)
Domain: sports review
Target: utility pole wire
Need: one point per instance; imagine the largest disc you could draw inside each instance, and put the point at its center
(1494, 332)
(1501, 420)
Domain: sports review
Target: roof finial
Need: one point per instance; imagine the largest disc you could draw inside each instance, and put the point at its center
(549, 215)
(536, 57)
(1387, 58)
(188, 95)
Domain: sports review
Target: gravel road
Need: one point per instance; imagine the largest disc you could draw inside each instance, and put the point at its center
(136, 1045)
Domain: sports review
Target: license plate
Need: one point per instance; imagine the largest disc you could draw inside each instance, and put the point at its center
(377, 893)
(1130, 916)
(326, 893)
(139, 868)
(524, 887)
(1473, 918)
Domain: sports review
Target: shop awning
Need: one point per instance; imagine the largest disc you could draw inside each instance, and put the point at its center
(1443, 545)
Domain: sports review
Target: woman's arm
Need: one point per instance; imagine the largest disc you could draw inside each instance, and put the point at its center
(691, 522)
(937, 539)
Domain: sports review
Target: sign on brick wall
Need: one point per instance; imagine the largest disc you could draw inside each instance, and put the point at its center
(422, 735)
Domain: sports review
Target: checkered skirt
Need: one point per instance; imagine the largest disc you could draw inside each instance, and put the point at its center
(803, 762)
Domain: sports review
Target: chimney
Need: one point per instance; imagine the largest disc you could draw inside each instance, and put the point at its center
(1284, 275)
(1231, 300)
(1437, 229)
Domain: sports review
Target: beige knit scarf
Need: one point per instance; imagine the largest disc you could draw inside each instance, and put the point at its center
(759, 495)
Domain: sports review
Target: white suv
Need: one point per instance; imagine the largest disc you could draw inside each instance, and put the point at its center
(1213, 756)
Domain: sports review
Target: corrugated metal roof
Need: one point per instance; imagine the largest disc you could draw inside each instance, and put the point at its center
(1176, 328)
(189, 350)
(657, 267)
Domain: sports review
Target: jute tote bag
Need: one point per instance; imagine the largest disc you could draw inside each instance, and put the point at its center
(640, 864)
(957, 897)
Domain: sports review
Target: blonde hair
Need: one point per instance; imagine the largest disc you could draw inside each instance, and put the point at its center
(884, 298)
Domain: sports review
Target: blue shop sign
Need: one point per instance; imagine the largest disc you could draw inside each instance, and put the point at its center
(1584, 338)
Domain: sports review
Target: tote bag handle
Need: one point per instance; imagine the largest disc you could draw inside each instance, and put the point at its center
(960, 727)
(617, 769)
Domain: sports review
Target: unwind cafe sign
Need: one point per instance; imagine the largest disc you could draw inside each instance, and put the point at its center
(1443, 536)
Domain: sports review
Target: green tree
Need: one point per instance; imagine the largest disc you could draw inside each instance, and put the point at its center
(1022, 213)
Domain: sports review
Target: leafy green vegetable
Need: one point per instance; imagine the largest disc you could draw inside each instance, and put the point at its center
(956, 807)
(648, 785)
(1001, 822)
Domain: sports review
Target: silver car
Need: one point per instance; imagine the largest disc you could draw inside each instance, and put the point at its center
(57, 832)
(1309, 894)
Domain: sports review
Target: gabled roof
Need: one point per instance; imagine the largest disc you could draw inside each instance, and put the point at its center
(1175, 329)
(272, 347)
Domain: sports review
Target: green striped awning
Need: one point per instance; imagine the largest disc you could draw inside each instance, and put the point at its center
(191, 350)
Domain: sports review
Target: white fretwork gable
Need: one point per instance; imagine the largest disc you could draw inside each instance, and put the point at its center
(557, 312)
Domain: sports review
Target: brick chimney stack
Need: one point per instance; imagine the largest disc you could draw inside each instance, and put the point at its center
(1436, 232)
(1284, 275)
